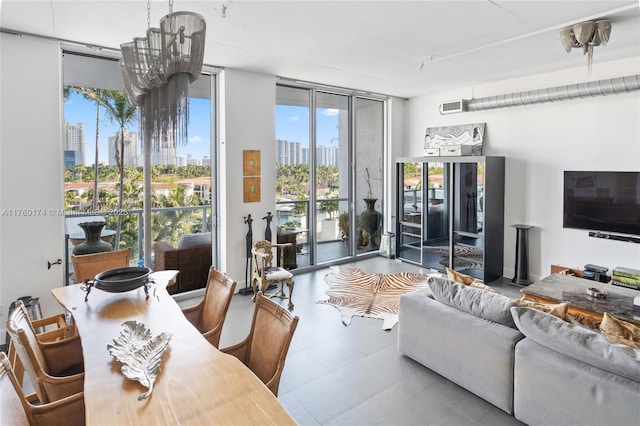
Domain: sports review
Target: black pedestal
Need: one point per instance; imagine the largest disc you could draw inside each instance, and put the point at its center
(521, 277)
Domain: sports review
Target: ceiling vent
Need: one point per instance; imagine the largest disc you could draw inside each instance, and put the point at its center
(451, 107)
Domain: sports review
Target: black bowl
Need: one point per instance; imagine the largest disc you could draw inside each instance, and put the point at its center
(122, 279)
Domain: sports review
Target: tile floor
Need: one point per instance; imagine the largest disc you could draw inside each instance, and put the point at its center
(354, 375)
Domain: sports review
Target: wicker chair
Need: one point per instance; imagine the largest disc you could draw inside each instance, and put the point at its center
(208, 315)
(54, 368)
(193, 264)
(15, 409)
(265, 348)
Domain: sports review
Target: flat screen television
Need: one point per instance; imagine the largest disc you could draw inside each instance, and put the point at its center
(602, 201)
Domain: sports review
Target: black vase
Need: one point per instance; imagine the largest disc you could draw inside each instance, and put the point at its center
(371, 220)
(92, 242)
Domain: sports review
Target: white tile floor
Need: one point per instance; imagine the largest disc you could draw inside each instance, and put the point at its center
(354, 375)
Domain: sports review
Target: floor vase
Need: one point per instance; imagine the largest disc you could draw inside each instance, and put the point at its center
(371, 220)
(92, 242)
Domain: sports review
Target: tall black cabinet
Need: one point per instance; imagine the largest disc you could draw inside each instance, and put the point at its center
(451, 213)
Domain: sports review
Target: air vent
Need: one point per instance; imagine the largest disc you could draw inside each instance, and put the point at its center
(451, 107)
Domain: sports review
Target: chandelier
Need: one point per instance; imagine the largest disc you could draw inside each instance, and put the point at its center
(586, 35)
(157, 71)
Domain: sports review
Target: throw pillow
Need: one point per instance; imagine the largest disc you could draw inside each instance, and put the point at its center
(618, 331)
(577, 342)
(194, 240)
(556, 309)
(467, 280)
(490, 306)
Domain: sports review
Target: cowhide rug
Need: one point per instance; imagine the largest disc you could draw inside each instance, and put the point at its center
(355, 292)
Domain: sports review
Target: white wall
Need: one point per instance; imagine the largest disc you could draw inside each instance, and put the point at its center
(31, 180)
(539, 143)
(249, 124)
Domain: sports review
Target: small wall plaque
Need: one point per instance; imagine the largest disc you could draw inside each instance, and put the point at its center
(251, 163)
(251, 189)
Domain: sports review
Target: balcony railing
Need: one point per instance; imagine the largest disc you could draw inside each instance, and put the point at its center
(177, 222)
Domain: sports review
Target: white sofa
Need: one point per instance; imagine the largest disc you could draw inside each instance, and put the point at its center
(473, 352)
(541, 369)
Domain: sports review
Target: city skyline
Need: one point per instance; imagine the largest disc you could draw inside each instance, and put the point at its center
(78, 110)
(292, 124)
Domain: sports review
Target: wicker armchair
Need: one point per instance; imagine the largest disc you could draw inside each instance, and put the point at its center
(193, 264)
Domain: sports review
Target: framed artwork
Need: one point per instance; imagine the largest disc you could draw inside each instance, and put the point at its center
(469, 136)
(252, 189)
(250, 163)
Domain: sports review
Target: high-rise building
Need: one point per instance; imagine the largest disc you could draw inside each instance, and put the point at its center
(166, 152)
(288, 152)
(130, 149)
(327, 155)
(74, 144)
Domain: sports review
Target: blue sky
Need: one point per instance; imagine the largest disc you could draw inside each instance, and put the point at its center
(79, 110)
(292, 124)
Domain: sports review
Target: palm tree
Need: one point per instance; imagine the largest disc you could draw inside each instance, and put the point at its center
(171, 225)
(95, 96)
(122, 113)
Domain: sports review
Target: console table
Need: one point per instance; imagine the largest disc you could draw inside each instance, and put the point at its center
(558, 288)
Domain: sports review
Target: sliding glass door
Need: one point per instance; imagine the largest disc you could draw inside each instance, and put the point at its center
(329, 153)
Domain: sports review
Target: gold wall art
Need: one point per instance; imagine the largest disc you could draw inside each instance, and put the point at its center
(252, 189)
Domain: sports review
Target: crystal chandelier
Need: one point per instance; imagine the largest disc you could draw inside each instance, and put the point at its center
(157, 71)
(586, 35)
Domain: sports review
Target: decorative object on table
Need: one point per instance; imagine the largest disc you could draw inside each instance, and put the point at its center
(596, 293)
(463, 139)
(355, 292)
(92, 242)
(586, 35)
(267, 229)
(119, 280)
(251, 189)
(247, 267)
(140, 353)
(250, 163)
(265, 274)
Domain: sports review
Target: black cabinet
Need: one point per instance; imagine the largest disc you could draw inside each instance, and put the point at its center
(451, 213)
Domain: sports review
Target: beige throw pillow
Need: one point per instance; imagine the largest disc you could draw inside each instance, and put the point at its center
(556, 309)
(467, 280)
(618, 331)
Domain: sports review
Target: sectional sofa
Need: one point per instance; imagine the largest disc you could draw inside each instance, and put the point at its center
(540, 368)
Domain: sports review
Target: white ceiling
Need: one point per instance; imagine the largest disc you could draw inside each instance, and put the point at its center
(374, 46)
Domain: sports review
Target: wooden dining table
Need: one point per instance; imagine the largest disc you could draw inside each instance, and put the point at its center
(197, 383)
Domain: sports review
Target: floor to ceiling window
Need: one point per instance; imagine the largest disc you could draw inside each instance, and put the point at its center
(329, 153)
(183, 197)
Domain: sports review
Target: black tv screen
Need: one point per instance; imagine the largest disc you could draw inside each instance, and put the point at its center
(602, 201)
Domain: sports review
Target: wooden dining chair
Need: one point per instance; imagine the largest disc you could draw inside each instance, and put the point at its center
(87, 266)
(54, 368)
(208, 315)
(265, 273)
(265, 349)
(52, 329)
(15, 409)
